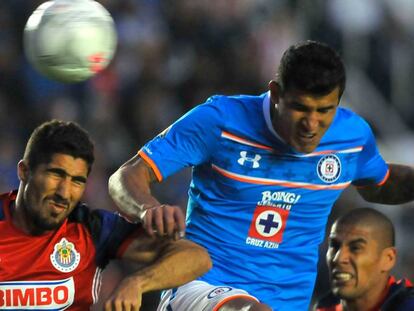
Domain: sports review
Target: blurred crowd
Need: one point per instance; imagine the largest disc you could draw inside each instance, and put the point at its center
(172, 55)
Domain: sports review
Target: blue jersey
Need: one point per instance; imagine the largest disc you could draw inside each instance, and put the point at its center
(257, 205)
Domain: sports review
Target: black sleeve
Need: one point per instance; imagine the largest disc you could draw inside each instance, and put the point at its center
(108, 230)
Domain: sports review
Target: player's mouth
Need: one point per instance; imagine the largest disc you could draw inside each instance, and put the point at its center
(58, 207)
(306, 137)
(341, 278)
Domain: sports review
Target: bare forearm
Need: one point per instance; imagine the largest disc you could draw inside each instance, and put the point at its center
(181, 262)
(129, 187)
(398, 189)
(168, 264)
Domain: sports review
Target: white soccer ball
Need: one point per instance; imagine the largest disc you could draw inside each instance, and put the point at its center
(70, 40)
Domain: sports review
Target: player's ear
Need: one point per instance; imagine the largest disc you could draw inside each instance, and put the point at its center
(275, 91)
(389, 257)
(23, 170)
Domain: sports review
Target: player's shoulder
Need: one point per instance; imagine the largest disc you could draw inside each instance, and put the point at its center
(349, 121)
(81, 213)
(235, 100)
(235, 107)
(400, 297)
(5, 198)
(2, 215)
(100, 222)
(346, 114)
(91, 218)
(219, 110)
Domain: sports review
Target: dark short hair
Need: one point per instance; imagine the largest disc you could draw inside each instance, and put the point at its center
(369, 217)
(311, 67)
(57, 136)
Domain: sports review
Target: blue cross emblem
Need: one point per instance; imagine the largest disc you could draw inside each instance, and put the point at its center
(269, 223)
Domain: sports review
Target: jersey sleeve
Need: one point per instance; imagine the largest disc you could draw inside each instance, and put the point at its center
(187, 142)
(372, 169)
(110, 231)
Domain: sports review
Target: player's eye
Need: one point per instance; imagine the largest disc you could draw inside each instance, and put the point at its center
(297, 106)
(333, 244)
(324, 110)
(55, 173)
(356, 248)
(79, 181)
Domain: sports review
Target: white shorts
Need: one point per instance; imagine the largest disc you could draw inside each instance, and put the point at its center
(199, 296)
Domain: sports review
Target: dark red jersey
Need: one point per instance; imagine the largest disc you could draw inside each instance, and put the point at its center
(400, 297)
(62, 269)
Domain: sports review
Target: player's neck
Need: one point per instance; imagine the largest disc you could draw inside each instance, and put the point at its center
(370, 302)
(21, 218)
(18, 218)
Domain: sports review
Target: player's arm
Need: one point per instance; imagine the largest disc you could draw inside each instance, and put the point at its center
(398, 188)
(130, 188)
(167, 264)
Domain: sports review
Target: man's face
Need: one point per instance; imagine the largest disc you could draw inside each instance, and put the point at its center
(52, 190)
(302, 119)
(357, 266)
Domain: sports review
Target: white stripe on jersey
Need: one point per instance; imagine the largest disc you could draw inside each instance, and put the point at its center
(285, 183)
(96, 284)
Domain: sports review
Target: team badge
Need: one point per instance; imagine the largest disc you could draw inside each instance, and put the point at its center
(268, 224)
(65, 258)
(329, 168)
(218, 291)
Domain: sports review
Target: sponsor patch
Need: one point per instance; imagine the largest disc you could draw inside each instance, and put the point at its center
(268, 224)
(37, 295)
(329, 168)
(65, 258)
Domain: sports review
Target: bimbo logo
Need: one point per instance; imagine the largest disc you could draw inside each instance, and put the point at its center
(37, 295)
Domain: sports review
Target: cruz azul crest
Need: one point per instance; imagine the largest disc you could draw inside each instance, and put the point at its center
(329, 168)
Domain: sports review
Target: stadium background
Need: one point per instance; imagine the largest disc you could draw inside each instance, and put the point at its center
(172, 55)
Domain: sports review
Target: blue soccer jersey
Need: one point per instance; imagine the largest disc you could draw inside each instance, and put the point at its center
(257, 205)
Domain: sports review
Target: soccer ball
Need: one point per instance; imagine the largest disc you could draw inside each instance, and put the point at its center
(70, 40)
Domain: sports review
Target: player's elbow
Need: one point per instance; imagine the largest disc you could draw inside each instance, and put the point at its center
(122, 178)
(114, 183)
(372, 194)
(117, 191)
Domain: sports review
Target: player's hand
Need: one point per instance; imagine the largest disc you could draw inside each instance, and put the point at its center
(127, 296)
(165, 220)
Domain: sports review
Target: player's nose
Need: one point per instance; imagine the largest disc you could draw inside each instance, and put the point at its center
(311, 122)
(341, 256)
(63, 188)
